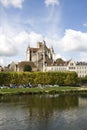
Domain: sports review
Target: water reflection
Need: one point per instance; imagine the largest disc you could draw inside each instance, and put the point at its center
(39, 112)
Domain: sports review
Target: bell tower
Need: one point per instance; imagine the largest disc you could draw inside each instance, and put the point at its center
(28, 54)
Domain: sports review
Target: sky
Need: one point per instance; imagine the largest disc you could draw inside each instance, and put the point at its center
(61, 23)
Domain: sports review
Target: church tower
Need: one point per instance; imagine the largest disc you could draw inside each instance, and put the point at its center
(28, 54)
(52, 53)
(40, 55)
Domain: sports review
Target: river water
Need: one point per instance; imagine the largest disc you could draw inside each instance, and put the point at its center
(43, 112)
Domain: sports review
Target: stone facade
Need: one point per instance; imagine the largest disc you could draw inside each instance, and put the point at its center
(40, 56)
(37, 58)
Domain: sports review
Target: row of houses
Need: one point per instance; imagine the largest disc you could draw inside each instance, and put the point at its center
(79, 67)
(41, 58)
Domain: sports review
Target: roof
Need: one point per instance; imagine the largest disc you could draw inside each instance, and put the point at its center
(34, 49)
(22, 63)
(81, 63)
(41, 46)
(64, 63)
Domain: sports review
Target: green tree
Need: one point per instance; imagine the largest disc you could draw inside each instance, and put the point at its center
(71, 78)
(59, 60)
(27, 68)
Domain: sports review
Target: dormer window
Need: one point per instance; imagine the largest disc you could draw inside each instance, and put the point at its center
(71, 64)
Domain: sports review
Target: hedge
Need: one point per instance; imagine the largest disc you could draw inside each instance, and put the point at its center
(43, 78)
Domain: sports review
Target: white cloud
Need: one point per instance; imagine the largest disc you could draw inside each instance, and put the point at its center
(1, 61)
(35, 37)
(15, 3)
(72, 45)
(21, 37)
(51, 2)
(13, 43)
(7, 47)
(83, 56)
(74, 41)
(57, 56)
(31, 38)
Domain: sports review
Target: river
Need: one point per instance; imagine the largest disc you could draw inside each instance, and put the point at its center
(43, 112)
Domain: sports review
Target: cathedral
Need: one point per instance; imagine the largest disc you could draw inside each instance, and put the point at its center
(41, 56)
(38, 58)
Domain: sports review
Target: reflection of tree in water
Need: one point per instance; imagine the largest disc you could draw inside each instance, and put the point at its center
(42, 112)
(43, 102)
(83, 96)
(42, 109)
(42, 105)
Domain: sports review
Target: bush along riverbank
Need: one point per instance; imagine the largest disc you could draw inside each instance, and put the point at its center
(35, 78)
(40, 83)
(47, 90)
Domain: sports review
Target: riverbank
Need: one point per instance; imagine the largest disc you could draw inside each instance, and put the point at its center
(46, 90)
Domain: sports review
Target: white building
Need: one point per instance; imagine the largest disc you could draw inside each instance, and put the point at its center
(79, 67)
(62, 66)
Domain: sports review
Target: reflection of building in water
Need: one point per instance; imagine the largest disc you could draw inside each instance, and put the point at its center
(82, 102)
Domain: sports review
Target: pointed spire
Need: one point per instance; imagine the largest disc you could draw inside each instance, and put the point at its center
(28, 45)
(52, 49)
(44, 42)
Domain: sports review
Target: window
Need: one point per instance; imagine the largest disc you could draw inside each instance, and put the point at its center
(71, 64)
(71, 67)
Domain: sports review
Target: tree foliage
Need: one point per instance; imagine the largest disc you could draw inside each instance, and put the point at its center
(59, 60)
(82, 80)
(43, 78)
(27, 68)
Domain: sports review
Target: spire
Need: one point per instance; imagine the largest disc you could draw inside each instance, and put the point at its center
(28, 53)
(52, 49)
(28, 47)
(44, 42)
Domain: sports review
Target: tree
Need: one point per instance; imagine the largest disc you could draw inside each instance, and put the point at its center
(27, 68)
(71, 78)
(59, 60)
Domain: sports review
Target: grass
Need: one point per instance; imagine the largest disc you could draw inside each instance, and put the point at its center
(19, 90)
(49, 90)
(61, 88)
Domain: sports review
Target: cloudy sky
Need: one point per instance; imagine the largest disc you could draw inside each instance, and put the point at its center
(61, 23)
